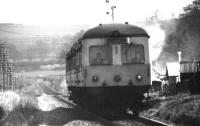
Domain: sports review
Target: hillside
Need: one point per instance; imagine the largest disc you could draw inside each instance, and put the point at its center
(10, 31)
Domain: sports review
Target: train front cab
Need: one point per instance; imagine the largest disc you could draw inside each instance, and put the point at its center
(116, 70)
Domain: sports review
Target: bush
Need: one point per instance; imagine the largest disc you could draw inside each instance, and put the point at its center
(183, 111)
(2, 113)
(17, 110)
(8, 100)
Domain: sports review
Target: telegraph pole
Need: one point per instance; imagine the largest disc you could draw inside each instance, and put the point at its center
(3, 68)
(6, 66)
(10, 74)
(1, 62)
(14, 81)
(3, 65)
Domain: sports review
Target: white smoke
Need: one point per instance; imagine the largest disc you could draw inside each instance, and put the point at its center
(156, 40)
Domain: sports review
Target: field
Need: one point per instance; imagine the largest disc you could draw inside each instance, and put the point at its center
(45, 73)
(27, 81)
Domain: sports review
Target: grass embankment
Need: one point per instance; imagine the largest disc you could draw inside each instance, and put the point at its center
(182, 110)
(16, 109)
(26, 110)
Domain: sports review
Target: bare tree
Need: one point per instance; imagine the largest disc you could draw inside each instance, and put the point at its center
(70, 40)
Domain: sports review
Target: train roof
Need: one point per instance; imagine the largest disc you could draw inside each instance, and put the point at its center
(115, 31)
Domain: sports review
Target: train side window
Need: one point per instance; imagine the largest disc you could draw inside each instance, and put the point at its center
(77, 59)
(100, 55)
(67, 65)
(73, 62)
(80, 57)
(132, 54)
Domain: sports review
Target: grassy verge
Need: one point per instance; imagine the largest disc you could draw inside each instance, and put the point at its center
(15, 109)
(27, 80)
(182, 110)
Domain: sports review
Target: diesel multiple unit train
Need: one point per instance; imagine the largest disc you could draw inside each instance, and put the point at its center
(109, 67)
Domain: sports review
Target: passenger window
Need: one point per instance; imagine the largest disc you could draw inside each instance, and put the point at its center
(100, 55)
(68, 65)
(132, 54)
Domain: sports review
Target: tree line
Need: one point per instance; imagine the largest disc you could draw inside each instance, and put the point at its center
(23, 52)
(182, 34)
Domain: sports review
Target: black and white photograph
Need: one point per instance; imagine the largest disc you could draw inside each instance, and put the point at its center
(99, 62)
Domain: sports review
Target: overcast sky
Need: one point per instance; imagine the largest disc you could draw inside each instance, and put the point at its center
(75, 12)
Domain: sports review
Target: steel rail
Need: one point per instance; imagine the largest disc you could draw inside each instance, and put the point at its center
(151, 122)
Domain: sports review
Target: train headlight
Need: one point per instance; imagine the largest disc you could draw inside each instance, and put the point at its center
(139, 77)
(117, 78)
(95, 78)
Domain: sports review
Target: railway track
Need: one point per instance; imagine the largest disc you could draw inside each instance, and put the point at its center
(130, 120)
(48, 90)
(151, 122)
(64, 99)
(59, 96)
(110, 118)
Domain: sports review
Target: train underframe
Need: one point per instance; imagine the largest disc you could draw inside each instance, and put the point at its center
(115, 98)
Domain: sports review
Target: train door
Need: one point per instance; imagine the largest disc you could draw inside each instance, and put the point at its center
(116, 51)
(78, 69)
